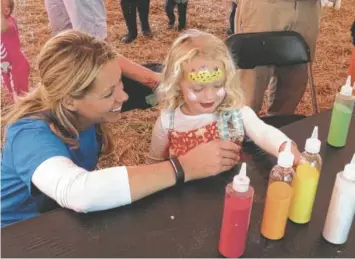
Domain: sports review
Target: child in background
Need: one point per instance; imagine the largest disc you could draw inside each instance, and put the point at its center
(203, 101)
(15, 68)
(182, 9)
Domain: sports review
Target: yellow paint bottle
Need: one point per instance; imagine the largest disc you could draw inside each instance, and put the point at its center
(304, 186)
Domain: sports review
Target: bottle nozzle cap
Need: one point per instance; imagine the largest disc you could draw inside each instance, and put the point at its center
(313, 144)
(353, 159)
(315, 132)
(348, 80)
(349, 170)
(241, 181)
(286, 158)
(347, 89)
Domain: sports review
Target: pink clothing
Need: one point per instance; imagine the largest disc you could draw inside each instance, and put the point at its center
(15, 68)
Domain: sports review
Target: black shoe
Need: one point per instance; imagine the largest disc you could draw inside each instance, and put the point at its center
(170, 26)
(180, 28)
(128, 38)
(147, 33)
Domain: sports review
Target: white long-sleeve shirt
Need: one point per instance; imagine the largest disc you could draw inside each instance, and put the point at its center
(75, 188)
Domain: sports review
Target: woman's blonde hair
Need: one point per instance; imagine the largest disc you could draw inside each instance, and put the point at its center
(190, 45)
(68, 65)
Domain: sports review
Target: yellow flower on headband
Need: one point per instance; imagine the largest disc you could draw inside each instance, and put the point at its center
(205, 76)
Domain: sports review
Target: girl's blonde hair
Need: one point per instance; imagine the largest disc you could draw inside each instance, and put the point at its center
(68, 65)
(188, 46)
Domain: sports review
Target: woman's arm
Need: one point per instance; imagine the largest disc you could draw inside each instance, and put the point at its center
(75, 188)
(138, 72)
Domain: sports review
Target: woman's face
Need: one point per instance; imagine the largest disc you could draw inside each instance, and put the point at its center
(104, 101)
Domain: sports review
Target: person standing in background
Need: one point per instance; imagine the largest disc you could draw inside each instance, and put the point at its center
(87, 16)
(182, 10)
(301, 16)
(129, 9)
(15, 68)
(232, 17)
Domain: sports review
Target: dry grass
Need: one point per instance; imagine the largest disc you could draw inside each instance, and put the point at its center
(132, 133)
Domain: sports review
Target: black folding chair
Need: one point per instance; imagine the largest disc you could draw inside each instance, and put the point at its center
(277, 48)
(138, 92)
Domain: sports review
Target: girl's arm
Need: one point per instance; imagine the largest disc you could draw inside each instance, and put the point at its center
(265, 136)
(139, 73)
(4, 24)
(158, 150)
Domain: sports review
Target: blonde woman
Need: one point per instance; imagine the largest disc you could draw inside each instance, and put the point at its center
(55, 134)
(203, 101)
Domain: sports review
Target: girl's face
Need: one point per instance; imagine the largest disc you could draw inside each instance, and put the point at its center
(203, 86)
(104, 101)
(6, 6)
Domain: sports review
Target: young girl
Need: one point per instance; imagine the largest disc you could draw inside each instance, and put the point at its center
(15, 68)
(203, 101)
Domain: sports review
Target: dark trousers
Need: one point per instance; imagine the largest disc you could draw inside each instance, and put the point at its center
(231, 17)
(182, 9)
(129, 9)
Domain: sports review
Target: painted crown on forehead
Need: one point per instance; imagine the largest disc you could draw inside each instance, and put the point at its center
(206, 76)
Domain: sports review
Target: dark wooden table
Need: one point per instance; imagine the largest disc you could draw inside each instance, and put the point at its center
(185, 222)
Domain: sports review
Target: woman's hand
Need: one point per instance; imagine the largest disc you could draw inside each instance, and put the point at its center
(209, 159)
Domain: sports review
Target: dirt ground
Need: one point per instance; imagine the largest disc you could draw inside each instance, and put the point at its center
(132, 132)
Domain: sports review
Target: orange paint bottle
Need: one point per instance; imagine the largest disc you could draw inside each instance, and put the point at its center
(278, 199)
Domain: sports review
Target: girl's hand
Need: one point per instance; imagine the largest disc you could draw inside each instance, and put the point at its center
(294, 151)
(209, 159)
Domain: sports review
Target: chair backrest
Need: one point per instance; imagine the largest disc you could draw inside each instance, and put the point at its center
(279, 48)
(138, 92)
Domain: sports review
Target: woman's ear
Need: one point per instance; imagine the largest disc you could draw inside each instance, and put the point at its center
(69, 103)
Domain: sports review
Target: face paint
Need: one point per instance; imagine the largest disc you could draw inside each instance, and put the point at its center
(221, 92)
(206, 76)
(191, 96)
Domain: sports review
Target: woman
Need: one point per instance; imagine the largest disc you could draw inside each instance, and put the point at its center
(56, 133)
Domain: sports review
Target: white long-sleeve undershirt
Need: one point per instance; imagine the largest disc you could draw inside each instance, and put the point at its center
(75, 188)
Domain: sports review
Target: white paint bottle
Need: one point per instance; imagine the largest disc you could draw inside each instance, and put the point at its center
(341, 210)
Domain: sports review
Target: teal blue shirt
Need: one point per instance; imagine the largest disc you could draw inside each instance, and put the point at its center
(28, 143)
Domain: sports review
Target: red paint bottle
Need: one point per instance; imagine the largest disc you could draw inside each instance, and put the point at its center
(236, 215)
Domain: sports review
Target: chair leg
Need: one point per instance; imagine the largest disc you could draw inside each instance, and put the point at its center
(313, 90)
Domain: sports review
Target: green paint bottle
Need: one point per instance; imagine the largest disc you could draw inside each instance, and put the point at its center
(341, 116)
